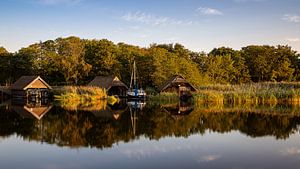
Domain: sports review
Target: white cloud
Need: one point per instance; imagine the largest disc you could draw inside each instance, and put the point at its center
(209, 158)
(291, 18)
(293, 39)
(209, 11)
(145, 18)
(141, 151)
(291, 151)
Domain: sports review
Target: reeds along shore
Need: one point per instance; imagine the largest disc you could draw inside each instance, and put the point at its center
(250, 94)
(77, 97)
(254, 93)
(244, 94)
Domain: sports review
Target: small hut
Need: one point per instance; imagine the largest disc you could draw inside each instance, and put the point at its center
(112, 84)
(30, 87)
(177, 83)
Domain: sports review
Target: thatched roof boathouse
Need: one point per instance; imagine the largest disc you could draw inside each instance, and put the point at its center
(112, 84)
(179, 84)
(30, 87)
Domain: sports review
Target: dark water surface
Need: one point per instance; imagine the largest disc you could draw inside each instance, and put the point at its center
(157, 136)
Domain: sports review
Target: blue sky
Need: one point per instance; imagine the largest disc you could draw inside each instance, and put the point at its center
(200, 25)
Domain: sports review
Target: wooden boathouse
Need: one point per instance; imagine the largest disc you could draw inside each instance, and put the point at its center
(177, 83)
(112, 84)
(30, 87)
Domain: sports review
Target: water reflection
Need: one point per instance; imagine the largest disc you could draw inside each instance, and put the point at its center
(135, 106)
(102, 126)
(31, 110)
(178, 110)
(111, 111)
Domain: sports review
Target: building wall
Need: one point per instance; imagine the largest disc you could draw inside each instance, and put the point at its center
(43, 93)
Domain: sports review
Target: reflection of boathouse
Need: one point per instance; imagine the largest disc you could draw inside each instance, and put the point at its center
(177, 83)
(31, 111)
(178, 110)
(108, 113)
(30, 87)
(112, 84)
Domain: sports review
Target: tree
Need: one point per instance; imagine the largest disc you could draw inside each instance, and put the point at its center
(102, 55)
(220, 69)
(73, 66)
(269, 63)
(5, 67)
(165, 64)
(125, 57)
(224, 65)
(259, 61)
(48, 62)
(23, 62)
(3, 51)
(286, 67)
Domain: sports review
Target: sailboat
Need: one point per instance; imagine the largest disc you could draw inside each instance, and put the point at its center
(134, 92)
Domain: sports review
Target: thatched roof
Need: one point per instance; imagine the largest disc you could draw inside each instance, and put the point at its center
(175, 80)
(107, 82)
(24, 82)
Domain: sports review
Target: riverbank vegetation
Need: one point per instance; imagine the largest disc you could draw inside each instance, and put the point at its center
(75, 61)
(252, 93)
(81, 97)
(264, 93)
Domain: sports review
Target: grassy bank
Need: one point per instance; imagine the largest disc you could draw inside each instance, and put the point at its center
(163, 98)
(76, 97)
(254, 93)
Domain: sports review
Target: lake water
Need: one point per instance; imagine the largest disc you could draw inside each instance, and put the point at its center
(150, 136)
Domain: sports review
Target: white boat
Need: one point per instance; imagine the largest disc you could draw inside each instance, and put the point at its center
(134, 91)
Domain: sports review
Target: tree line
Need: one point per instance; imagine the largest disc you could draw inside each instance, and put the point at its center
(76, 61)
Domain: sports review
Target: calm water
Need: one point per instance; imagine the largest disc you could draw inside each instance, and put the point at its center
(157, 136)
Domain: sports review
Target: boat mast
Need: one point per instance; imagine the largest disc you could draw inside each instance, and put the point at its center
(131, 79)
(134, 75)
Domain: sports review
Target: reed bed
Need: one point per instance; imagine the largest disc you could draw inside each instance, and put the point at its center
(254, 93)
(78, 97)
(164, 97)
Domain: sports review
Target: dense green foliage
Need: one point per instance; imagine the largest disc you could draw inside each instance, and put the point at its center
(73, 60)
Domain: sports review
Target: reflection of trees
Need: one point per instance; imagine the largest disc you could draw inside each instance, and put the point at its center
(11, 123)
(251, 124)
(83, 128)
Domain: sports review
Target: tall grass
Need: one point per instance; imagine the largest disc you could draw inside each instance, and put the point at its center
(164, 97)
(78, 97)
(254, 93)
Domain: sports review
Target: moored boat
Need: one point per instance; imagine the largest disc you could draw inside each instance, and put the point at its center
(134, 92)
